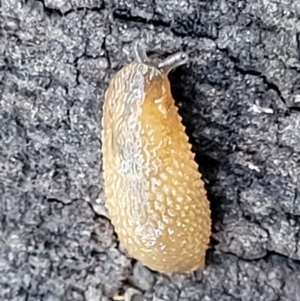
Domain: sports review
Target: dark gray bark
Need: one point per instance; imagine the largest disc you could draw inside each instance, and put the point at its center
(239, 100)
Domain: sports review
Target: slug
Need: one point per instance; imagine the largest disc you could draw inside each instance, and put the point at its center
(153, 189)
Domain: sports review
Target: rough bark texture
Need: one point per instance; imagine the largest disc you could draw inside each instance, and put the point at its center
(238, 98)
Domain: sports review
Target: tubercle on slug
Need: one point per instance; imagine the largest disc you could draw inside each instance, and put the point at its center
(154, 192)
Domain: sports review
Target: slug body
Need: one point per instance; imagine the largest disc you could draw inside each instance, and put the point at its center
(154, 192)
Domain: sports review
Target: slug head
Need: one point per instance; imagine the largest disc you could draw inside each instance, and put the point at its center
(157, 87)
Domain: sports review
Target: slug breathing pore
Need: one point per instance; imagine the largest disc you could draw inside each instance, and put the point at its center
(154, 193)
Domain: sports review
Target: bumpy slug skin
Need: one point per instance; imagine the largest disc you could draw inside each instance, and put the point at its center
(154, 192)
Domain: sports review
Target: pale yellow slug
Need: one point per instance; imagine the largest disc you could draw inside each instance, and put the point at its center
(154, 193)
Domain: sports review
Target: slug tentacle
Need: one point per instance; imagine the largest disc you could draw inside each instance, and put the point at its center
(173, 62)
(140, 53)
(165, 66)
